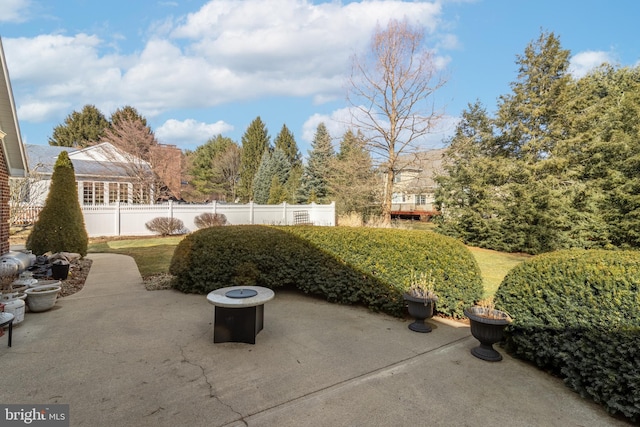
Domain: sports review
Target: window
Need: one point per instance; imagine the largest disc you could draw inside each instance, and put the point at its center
(98, 188)
(113, 193)
(87, 193)
(397, 177)
(421, 199)
(123, 196)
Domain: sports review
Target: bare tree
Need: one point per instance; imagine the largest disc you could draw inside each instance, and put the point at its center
(26, 197)
(153, 168)
(389, 90)
(228, 163)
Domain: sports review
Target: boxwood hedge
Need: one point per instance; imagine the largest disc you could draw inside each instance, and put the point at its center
(347, 265)
(577, 313)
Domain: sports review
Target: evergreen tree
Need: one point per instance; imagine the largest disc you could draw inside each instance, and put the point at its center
(60, 226)
(255, 142)
(317, 173)
(353, 183)
(80, 128)
(206, 170)
(286, 142)
(273, 165)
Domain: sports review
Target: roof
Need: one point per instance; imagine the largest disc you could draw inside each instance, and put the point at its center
(99, 161)
(426, 164)
(12, 145)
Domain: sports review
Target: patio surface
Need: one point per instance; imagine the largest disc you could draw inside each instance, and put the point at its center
(123, 356)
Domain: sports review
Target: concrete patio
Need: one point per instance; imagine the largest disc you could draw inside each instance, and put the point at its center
(123, 356)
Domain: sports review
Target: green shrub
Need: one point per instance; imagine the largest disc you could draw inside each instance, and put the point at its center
(359, 265)
(577, 313)
(166, 226)
(60, 225)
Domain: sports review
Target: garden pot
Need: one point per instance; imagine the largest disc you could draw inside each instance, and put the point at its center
(59, 271)
(42, 298)
(488, 330)
(14, 304)
(420, 309)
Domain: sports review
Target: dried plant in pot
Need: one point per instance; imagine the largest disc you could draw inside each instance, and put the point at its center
(421, 300)
(487, 326)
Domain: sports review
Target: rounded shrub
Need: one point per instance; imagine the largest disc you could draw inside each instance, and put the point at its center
(60, 226)
(577, 313)
(348, 265)
(165, 226)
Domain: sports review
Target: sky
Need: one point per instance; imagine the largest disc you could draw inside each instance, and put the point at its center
(198, 68)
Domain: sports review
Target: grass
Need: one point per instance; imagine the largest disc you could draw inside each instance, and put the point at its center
(494, 266)
(153, 255)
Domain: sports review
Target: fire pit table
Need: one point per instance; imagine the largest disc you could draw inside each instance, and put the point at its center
(239, 312)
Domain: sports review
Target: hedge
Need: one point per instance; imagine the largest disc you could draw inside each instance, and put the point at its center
(577, 314)
(346, 265)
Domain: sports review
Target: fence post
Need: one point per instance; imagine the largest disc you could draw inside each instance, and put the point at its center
(284, 213)
(215, 207)
(170, 208)
(251, 212)
(117, 218)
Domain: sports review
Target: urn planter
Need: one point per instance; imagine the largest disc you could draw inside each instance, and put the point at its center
(487, 326)
(420, 309)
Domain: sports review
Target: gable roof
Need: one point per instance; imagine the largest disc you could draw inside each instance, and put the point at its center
(12, 145)
(425, 165)
(98, 161)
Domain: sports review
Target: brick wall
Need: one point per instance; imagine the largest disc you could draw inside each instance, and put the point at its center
(4, 205)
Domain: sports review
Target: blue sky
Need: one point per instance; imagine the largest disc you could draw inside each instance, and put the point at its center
(197, 68)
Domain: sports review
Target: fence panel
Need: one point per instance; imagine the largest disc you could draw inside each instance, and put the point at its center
(130, 220)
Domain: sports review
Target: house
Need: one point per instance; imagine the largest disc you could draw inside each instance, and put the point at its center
(104, 173)
(414, 184)
(13, 161)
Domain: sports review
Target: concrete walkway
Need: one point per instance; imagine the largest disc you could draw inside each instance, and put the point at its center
(123, 356)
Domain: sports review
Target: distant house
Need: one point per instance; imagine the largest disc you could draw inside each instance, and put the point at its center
(414, 184)
(104, 173)
(12, 159)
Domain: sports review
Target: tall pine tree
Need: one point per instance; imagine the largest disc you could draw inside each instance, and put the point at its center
(317, 173)
(255, 142)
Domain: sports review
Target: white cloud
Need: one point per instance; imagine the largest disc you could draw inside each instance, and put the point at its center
(339, 121)
(581, 63)
(14, 10)
(189, 132)
(227, 51)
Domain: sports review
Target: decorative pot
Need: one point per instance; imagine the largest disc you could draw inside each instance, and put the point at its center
(14, 304)
(59, 271)
(42, 298)
(487, 326)
(420, 309)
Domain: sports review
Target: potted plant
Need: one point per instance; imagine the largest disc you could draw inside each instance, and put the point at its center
(421, 300)
(487, 326)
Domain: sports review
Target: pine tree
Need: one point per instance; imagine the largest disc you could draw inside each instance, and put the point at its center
(287, 143)
(317, 173)
(255, 142)
(353, 183)
(273, 165)
(80, 128)
(60, 226)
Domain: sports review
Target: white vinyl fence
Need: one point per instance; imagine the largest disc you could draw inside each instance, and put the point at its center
(129, 220)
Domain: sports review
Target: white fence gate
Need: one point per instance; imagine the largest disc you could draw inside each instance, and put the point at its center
(129, 220)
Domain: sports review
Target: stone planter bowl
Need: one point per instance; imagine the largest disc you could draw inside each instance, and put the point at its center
(42, 298)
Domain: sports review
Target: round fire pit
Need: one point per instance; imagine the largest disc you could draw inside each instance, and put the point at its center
(241, 293)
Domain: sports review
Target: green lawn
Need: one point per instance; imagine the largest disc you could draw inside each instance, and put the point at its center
(153, 256)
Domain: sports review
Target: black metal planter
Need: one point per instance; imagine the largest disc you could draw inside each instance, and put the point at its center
(488, 331)
(419, 310)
